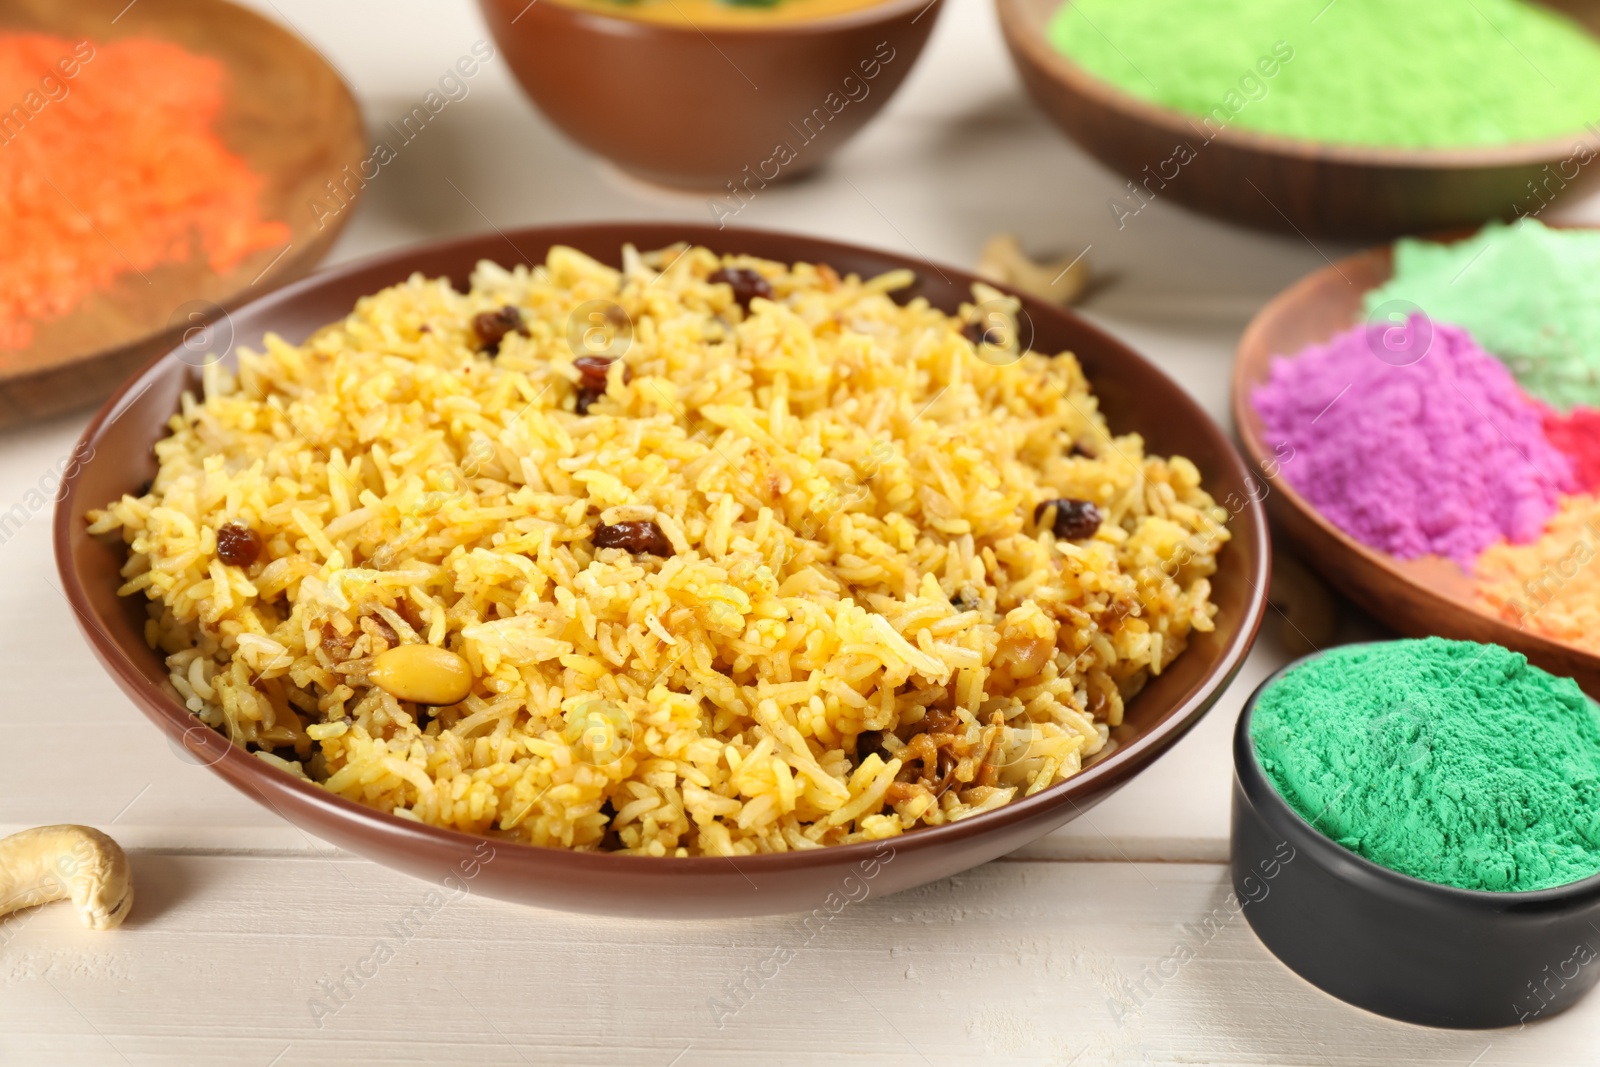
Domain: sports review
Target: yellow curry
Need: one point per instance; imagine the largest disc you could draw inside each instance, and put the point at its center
(722, 12)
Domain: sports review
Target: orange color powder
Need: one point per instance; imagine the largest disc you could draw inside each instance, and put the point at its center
(1551, 586)
(111, 170)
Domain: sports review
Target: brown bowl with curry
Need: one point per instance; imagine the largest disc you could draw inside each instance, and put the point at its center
(727, 96)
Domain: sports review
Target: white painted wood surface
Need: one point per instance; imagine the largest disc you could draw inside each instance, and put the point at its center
(1031, 960)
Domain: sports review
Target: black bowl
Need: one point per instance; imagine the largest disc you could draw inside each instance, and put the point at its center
(1396, 945)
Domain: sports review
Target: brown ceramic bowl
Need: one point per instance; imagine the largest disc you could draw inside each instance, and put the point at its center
(1134, 394)
(1280, 183)
(1417, 598)
(718, 108)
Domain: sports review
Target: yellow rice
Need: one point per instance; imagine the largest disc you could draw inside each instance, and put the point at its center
(849, 489)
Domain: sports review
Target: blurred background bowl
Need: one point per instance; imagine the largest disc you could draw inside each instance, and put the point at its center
(703, 108)
(1280, 183)
(1134, 394)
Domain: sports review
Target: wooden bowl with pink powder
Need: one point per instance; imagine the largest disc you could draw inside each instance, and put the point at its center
(1426, 595)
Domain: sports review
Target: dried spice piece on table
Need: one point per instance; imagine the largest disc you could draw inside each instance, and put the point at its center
(118, 171)
(1060, 281)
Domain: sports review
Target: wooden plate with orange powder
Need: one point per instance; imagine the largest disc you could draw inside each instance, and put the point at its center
(160, 161)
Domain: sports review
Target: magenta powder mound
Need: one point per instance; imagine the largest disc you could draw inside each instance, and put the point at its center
(1439, 453)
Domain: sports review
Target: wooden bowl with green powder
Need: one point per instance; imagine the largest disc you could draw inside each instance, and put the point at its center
(1345, 119)
(1416, 830)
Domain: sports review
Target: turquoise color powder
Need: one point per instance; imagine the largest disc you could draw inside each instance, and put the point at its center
(1410, 73)
(1450, 761)
(1530, 295)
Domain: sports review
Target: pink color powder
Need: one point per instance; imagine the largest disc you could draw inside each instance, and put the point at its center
(1414, 455)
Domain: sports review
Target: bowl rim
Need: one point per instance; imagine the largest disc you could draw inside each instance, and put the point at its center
(239, 767)
(1017, 18)
(871, 14)
(1354, 869)
(1247, 426)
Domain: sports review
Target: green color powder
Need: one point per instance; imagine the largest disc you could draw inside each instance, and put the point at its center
(1528, 294)
(1414, 73)
(1453, 762)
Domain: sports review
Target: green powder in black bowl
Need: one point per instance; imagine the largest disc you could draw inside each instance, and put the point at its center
(1449, 761)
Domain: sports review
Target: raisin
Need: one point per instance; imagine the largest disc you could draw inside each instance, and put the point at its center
(492, 327)
(338, 645)
(592, 384)
(636, 538)
(238, 545)
(746, 284)
(283, 752)
(610, 841)
(868, 742)
(381, 625)
(594, 369)
(979, 334)
(1075, 519)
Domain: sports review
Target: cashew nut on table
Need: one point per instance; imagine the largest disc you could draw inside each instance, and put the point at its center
(74, 863)
(1004, 262)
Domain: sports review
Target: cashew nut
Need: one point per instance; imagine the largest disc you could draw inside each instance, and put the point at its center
(74, 863)
(1060, 282)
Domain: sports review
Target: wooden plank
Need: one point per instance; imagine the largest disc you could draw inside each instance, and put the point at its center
(230, 959)
(1032, 960)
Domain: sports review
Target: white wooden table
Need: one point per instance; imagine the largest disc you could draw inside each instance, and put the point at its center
(1046, 957)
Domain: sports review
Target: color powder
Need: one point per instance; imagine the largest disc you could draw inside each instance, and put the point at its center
(1417, 73)
(1550, 587)
(1577, 433)
(1430, 450)
(1529, 294)
(1449, 761)
(110, 170)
